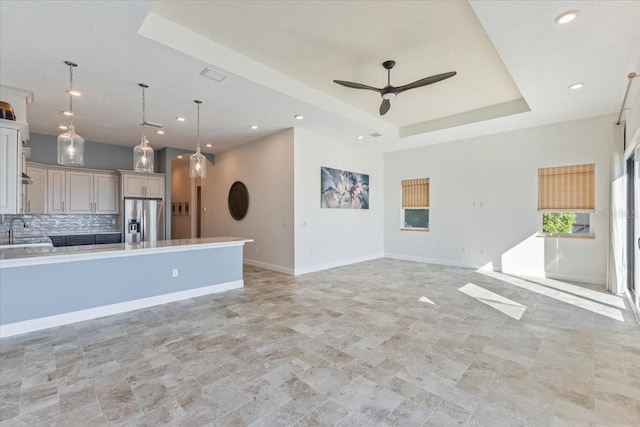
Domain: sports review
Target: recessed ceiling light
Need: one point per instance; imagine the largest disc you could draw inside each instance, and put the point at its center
(360, 137)
(567, 17)
(74, 93)
(181, 119)
(298, 117)
(576, 85)
(253, 126)
(63, 127)
(179, 157)
(67, 113)
(160, 132)
(208, 145)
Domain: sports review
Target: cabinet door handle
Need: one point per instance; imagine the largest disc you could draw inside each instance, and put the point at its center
(28, 205)
(63, 207)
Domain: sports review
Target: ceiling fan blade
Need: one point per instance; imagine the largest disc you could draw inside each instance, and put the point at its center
(384, 107)
(356, 85)
(426, 81)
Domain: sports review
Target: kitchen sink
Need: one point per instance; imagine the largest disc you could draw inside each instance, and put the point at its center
(25, 242)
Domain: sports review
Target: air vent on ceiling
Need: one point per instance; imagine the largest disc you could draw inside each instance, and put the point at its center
(213, 75)
(375, 134)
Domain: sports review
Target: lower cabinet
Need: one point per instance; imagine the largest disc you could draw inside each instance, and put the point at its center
(85, 239)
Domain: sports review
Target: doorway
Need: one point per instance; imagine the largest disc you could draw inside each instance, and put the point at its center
(199, 211)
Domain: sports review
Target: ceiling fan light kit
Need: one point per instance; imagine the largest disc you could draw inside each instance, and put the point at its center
(389, 92)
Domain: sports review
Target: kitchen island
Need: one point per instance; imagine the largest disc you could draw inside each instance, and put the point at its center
(42, 287)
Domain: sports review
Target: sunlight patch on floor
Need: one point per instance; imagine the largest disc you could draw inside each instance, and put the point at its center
(505, 305)
(605, 298)
(427, 300)
(595, 307)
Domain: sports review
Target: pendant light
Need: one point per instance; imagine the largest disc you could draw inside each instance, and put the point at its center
(143, 153)
(70, 144)
(198, 162)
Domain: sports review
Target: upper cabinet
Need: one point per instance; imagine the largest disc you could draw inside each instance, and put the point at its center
(11, 136)
(73, 191)
(36, 193)
(142, 185)
(106, 193)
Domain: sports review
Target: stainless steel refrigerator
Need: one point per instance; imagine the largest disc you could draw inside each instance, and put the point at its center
(143, 220)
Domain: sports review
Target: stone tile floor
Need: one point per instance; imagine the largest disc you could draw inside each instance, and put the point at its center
(351, 346)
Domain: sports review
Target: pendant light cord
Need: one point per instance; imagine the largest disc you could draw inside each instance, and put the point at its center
(198, 127)
(144, 119)
(70, 95)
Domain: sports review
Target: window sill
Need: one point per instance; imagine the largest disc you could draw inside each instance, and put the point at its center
(413, 229)
(567, 236)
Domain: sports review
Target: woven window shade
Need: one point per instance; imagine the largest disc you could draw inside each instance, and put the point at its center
(415, 193)
(567, 188)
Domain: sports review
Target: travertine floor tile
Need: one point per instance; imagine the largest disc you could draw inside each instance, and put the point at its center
(352, 346)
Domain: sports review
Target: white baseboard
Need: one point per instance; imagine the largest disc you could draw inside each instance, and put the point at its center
(273, 267)
(32, 325)
(524, 273)
(580, 279)
(447, 262)
(320, 267)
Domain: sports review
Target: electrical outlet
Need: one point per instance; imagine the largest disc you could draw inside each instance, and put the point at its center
(174, 272)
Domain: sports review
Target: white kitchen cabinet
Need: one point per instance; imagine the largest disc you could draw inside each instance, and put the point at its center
(11, 166)
(79, 192)
(56, 185)
(106, 191)
(82, 192)
(36, 193)
(142, 185)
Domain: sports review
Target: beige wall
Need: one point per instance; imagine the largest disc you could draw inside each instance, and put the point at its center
(266, 168)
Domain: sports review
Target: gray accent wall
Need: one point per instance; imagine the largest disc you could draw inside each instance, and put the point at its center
(97, 155)
(36, 291)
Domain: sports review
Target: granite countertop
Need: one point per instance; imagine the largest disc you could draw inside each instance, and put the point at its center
(31, 255)
(26, 240)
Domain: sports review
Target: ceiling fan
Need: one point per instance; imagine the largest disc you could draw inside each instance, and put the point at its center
(389, 92)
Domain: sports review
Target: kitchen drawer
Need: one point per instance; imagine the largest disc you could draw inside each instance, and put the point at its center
(80, 239)
(108, 238)
(58, 241)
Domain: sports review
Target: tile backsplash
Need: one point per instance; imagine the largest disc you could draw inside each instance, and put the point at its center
(38, 225)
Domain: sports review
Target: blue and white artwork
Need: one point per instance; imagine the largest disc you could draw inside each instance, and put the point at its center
(343, 189)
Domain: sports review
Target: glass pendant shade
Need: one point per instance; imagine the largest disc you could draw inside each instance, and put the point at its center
(70, 144)
(70, 148)
(143, 153)
(198, 162)
(198, 165)
(143, 156)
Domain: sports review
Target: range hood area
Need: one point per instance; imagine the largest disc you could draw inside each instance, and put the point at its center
(26, 153)
(26, 179)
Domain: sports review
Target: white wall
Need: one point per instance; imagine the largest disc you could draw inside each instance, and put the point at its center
(499, 173)
(266, 168)
(326, 238)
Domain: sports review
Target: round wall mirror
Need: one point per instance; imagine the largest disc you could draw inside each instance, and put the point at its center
(238, 200)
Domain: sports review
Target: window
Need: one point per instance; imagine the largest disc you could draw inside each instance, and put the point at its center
(415, 204)
(566, 196)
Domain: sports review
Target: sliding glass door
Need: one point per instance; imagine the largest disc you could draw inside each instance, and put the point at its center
(633, 225)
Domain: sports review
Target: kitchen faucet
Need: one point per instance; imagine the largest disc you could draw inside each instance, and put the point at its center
(24, 224)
